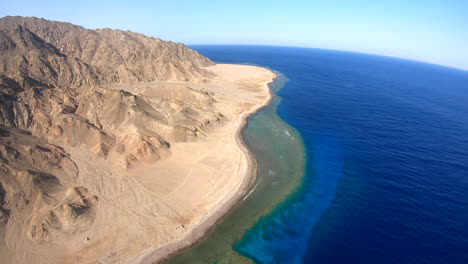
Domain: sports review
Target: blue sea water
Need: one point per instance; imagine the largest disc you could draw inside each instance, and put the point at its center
(386, 139)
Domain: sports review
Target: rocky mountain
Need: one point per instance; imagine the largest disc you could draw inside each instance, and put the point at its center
(54, 96)
(71, 55)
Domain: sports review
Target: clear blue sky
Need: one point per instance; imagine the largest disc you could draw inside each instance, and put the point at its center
(428, 30)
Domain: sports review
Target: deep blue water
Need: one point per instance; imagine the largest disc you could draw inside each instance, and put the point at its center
(386, 178)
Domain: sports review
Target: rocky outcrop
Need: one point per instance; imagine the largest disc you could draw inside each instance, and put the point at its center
(111, 123)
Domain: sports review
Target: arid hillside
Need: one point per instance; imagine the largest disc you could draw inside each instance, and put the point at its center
(54, 97)
(61, 54)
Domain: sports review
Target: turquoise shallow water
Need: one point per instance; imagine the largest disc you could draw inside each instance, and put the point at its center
(386, 143)
(280, 157)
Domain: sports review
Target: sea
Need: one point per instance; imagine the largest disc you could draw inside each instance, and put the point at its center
(362, 159)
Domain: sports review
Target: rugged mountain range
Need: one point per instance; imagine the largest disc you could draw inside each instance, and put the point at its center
(52, 54)
(54, 96)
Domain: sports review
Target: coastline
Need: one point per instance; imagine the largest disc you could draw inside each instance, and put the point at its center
(229, 202)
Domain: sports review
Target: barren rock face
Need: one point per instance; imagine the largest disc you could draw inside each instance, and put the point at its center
(32, 62)
(68, 55)
(52, 97)
(46, 66)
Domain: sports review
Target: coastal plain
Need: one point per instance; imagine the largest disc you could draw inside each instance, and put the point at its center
(152, 208)
(203, 179)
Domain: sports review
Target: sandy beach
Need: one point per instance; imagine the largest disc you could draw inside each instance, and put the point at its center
(154, 209)
(213, 174)
(116, 147)
(148, 209)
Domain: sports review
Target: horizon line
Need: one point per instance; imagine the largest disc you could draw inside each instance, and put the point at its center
(339, 50)
(402, 57)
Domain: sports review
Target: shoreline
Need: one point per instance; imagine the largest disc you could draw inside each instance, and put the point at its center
(204, 225)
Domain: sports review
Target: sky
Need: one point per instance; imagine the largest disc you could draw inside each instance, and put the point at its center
(434, 31)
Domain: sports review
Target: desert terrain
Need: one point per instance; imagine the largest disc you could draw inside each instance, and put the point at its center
(116, 147)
